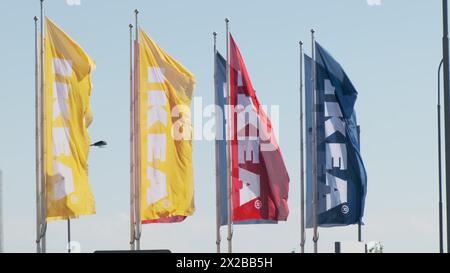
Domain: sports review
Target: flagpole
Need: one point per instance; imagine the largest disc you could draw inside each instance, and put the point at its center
(441, 227)
(302, 177)
(314, 144)
(446, 112)
(137, 144)
(1, 213)
(358, 129)
(37, 137)
(43, 203)
(230, 186)
(132, 151)
(68, 236)
(218, 239)
(445, 49)
(359, 231)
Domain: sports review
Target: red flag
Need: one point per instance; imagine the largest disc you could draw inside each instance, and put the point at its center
(259, 177)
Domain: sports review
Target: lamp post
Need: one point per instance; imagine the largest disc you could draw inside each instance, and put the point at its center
(98, 144)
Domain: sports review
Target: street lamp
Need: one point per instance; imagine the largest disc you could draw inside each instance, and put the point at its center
(100, 144)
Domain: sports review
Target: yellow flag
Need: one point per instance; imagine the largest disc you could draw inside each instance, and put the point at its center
(165, 92)
(67, 115)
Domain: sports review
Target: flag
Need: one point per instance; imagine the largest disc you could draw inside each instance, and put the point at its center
(221, 141)
(67, 115)
(165, 131)
(260, 182)
(341, 176)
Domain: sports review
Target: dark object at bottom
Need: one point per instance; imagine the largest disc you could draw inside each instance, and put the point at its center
(134, 251)
(337, 247)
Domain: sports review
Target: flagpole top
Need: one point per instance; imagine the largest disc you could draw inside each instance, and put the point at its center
(227, 20)
(300, 43)
(136, 11)
(313, 31)
(214, 34)
(130, 26)
(35, 18)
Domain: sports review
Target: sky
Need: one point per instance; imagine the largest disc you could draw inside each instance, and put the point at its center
(391, 52)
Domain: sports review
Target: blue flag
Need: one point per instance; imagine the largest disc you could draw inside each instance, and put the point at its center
(221, 143)
(341, 176)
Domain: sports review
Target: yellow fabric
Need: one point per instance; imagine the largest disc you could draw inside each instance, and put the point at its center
(67, 115)
(167, 186)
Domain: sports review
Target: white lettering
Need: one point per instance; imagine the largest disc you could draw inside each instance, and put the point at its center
(156, 147)
(239, 79)
(60, 96)
(157, 112)
(60, 141)
(158, 186)
(248, 150)
(333, 125)
(250, 186)
(62, 67)
(332, 109)
(335, 153)
(155, 75)
(336, 156)
(338, 191)
(329, 88)
(63, 180)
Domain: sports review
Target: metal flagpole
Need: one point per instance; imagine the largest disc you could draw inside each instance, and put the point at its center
(218, 239)
(43, 199)
(358, 129)
(359, 231)
(68, 236)
(37, 137)
(441, 226)
(230, 122)
(314, 143)
(137, 141)
(302, 177)
(132, 151)
(446, 113)
(1, 212)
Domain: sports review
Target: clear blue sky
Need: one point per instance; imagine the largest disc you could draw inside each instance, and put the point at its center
(391, 53)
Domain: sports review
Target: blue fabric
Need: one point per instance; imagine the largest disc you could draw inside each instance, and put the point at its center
(341, 176)
(308, 140)
(221, 143)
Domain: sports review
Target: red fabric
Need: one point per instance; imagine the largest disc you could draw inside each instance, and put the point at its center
(271, 204)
